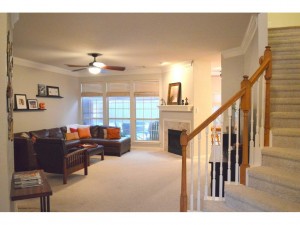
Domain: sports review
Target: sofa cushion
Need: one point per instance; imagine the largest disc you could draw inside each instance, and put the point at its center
(94, 131)
(73, 130)
(113, 133)
(84, 132)
(101, 130)
(72, 136)
(40, 133)
(55, 133)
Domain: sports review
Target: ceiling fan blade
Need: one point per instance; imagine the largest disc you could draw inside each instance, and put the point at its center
(70, 65)
(119, 68)
(78, 69)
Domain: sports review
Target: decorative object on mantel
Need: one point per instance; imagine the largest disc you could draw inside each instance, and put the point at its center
(163, 102)
(9, 89)
(182, 102)
(174, 94)
(176, 108)
(186, 101)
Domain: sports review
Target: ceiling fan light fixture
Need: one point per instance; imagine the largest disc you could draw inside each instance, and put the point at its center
(94, 70)
(98, 64)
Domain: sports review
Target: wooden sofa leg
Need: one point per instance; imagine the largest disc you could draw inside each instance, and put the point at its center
(65, 179)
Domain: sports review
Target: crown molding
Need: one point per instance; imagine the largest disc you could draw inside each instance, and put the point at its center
(40, 66)
(250, 32)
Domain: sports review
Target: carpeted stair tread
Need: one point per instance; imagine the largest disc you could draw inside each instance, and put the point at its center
(281, 76)
(285, 115)
(277, 57)
(277, 176)
(285, 65)
(285, 87)
(243, 198)
(285, 101)
(286, 48)
(292, 132)
(216, 206)
(278, 41)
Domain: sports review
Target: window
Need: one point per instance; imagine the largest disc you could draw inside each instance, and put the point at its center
(92, 110)
(147, 118)
(119, 113)
(92, 104)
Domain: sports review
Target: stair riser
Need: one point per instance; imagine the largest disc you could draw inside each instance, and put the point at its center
(284, 31)
(283, 61)
(286, 141)
(285, 82)
(285, 108)
(286, 70)
(287, 123)
(277, 162)
(284, 45)
(280, 190)
(285, 65)
(284, 94)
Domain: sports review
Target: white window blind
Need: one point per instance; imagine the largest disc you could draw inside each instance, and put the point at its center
(118, 89)
(146, 88)
(91, 90)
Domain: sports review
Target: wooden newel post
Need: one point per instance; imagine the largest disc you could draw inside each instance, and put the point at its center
(245, 106)
(268, 76)
(183, 195)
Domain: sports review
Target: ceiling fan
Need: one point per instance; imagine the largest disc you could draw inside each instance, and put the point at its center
(96, 67)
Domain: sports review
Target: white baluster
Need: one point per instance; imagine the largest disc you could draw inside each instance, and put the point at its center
(251, 144)
(256, 143)
(192, 177)
(237, 143)
(229, 144)
(262, 115)
(221, 162)
(214, 162)
(199, 174)
(206, 164)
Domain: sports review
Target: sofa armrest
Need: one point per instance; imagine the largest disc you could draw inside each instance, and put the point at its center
(24, 154)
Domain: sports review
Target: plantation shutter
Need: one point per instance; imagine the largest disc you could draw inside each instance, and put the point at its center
(118, 89)
(91, 90)
(146, 88)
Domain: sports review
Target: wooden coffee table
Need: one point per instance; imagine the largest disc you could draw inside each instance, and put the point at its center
(42, 191)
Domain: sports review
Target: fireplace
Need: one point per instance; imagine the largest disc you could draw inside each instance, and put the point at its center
(174, 141)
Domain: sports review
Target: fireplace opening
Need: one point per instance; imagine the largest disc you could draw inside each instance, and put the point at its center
(174, 141)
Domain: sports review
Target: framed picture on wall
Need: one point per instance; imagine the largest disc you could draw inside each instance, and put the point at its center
(174, 94)
(52, 91)
(20, 101)
(32, 104)
(42, 90)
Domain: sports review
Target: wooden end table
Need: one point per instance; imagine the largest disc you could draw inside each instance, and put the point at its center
(42, 191)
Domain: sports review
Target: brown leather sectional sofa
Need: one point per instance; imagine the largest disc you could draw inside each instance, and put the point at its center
(51, 142)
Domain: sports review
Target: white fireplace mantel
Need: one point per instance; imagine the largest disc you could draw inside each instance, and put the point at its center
(176, 108)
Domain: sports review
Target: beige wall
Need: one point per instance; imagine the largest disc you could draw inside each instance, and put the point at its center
(283, 20)
(6, 150)
(179, 73)
(59, 111)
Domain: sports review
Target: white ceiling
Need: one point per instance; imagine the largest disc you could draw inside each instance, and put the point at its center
(133, 40)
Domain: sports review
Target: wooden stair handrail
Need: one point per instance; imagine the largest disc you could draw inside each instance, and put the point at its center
(217, 113)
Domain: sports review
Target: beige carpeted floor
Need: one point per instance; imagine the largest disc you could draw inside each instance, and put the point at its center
(139, 181)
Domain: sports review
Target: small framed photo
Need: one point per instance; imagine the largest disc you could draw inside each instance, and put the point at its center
(32, 103)
(42, 90)
(20, 101)
(174, 94)
(52, 91)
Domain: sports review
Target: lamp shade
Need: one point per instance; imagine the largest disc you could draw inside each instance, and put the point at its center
(94, 70)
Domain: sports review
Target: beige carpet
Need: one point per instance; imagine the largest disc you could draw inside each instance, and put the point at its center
(139, 181)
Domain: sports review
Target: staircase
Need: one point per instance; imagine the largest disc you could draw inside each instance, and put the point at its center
(275, 186)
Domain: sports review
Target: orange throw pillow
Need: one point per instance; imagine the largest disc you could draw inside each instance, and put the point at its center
(84, 132)
(113, 133)
(72, 136)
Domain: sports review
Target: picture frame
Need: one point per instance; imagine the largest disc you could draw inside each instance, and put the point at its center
(20, 101)
(42, 91)
(52, 91)
(32, 103)
(174, 94)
